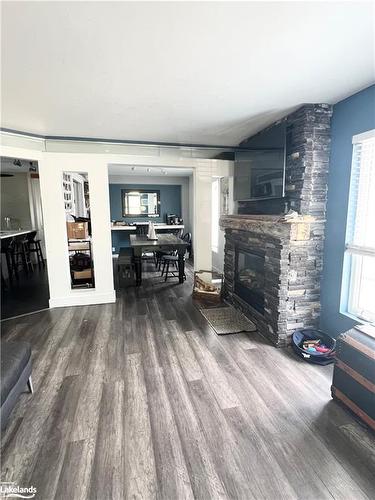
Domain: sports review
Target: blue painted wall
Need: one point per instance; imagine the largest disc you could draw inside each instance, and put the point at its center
(352, 116)
(170, 203)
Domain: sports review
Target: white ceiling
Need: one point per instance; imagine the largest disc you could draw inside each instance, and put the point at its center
(130, 170)
(184, 72)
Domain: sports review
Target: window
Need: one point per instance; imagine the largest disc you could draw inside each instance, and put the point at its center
(360, 247)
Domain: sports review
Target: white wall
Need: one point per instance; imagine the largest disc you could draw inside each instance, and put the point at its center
(202, 217)
(217, 249)
(162, 180)
(51, 167)
(191, 204)
(218, 253)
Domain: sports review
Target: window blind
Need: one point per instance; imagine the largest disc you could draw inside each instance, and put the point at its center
(361, 223)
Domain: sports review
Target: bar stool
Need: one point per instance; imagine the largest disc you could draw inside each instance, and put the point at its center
(22, 254)
(34, 247)
(8, 250)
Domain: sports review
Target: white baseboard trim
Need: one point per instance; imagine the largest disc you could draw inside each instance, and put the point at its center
(83, 299)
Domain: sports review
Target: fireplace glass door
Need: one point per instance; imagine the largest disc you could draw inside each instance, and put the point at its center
(249, 277)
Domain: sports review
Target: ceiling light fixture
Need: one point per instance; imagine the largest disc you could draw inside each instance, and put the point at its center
(133, 168)
(17, 163)
(149, 170)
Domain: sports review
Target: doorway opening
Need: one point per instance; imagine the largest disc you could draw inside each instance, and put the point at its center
(143, 194)
(24, 276)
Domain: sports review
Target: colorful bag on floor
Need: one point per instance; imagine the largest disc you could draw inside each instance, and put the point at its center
(312, 355)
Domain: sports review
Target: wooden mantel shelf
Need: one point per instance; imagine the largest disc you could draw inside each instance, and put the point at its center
(271, 219)
(296, 227)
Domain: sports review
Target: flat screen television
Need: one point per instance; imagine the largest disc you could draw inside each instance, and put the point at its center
(259, 171)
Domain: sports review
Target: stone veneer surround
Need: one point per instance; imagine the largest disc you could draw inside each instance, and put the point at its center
(293, 248)
(293, 264)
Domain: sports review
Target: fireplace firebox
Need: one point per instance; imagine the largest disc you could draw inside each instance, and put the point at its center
(249, 277)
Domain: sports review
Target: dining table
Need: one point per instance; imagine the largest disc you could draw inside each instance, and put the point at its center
(164, 243)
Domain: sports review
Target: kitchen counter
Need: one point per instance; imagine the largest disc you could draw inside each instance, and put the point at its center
(13, 233)
(172, 227)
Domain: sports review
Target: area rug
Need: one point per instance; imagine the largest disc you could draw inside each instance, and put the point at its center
(225, 320)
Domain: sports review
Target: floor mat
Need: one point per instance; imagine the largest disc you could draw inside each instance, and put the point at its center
(226, 320)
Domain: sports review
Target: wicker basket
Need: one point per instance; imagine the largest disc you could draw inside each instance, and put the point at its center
(207, 287)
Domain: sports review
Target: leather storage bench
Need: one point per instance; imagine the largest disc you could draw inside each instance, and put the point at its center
(354, 374)
(15, 375)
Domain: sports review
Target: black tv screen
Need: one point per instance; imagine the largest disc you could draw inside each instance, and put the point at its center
(259, 170)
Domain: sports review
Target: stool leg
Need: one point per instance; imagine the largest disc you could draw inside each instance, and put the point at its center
(40, 253)
(3, 282)
(10, 266)
(166, 274)
(28, 257)
(14, 265)
(21, 258)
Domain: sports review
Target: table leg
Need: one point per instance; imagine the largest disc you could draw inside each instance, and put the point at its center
(138, 269)
(181, 267)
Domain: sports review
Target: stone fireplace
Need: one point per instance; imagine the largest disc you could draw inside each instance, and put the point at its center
(273, 263)
(272, 271)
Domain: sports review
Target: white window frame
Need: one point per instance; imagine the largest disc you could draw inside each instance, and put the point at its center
(352, 251)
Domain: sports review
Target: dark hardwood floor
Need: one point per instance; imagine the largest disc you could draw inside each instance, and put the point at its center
(141, 399)
(27, 294)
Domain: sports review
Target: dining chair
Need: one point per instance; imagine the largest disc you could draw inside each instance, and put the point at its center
(187, 238)
(142, 229)
(170, 260)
